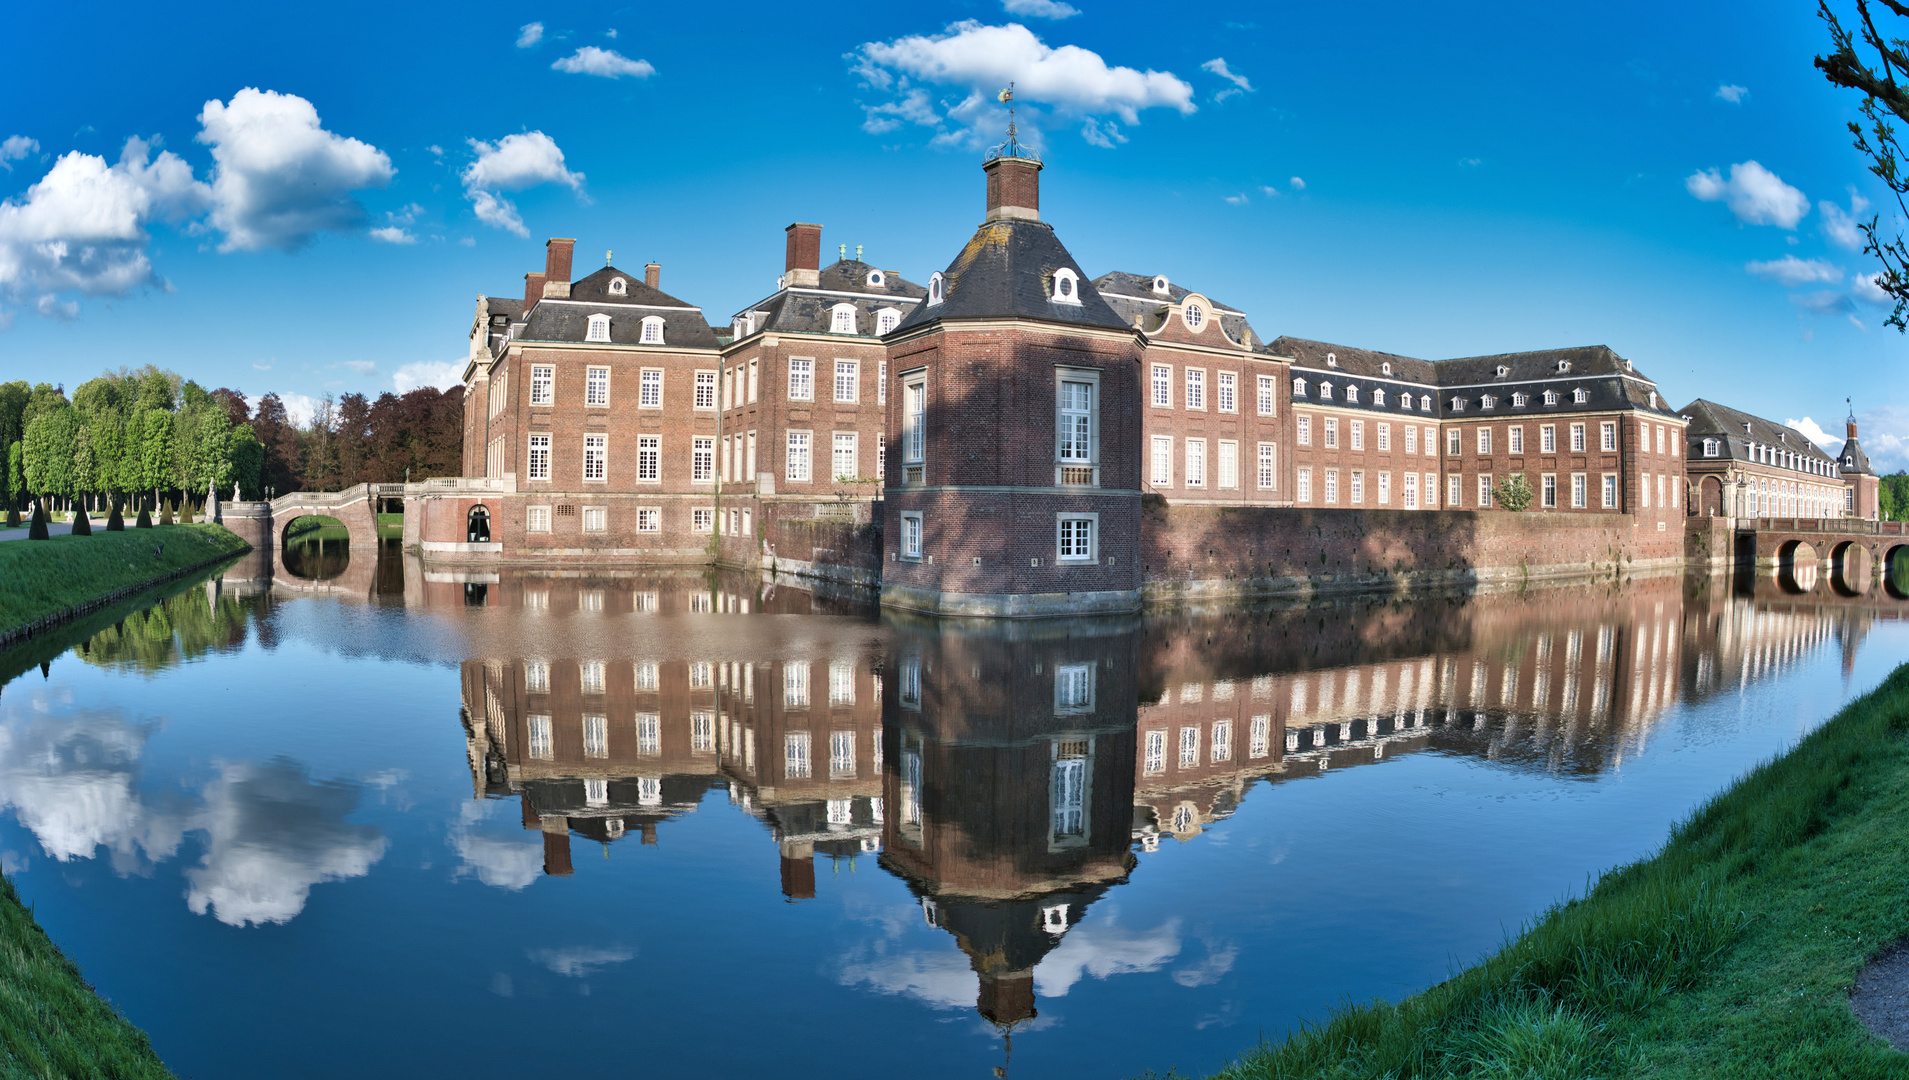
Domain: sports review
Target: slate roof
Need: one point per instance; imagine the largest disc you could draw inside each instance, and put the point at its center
(810, 311)
(569, 320)
(1006, 271)
(1354, 361)
(596, 288)
(510, 306)
(851, 275)
(1132, 298)
(1854, 449)
(1711, 420)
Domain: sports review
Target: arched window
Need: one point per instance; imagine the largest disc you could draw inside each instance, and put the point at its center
(599, 329)
(1550, 397)
(887, 319)
(1066, 287)
(1710, 448)
(1195, 317)
(1518, 400)
(618, 286)
(1458, 404)
(652, 330)
(934, 288)
(1299, 388)
(478, 525)
(1488, 401)
(842, 319)
(877, 279)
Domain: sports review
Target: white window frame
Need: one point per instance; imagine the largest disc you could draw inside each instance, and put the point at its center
(598, 328)
(801, 378)
(837, 441)
(1193, 474)
(1195, 389)
(652, 330)
(799, 451)
(649, 389)
(702, 459)
(1066, 287)
(1070, 419)
(649, 459)
(1161, 384)
(596, 519)
(706, 389)
(1228, 472)
(1268, 466)
(1226, 392)
(543, 384)
(596, 458)
(596, 387)
(914, 421)
(649, 519)
(1303, 481)
(1070, 548)
(848, 373)
(537, 463)
(842, 319)
(537, 519)
(1161, 465)
(1268, 395)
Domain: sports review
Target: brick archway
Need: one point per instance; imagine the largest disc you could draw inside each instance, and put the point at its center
(355, 508)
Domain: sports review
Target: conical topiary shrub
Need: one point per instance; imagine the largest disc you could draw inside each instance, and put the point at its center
(165, 512)
(13, 517)
(145, 517)
(114, 522)
(38, 529)
(82, 526)
(185, 511)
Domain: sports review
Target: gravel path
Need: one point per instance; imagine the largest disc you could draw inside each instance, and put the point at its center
(1881, 997)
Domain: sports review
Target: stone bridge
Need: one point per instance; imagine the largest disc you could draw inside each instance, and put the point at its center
(356, 507)
(1848, 556)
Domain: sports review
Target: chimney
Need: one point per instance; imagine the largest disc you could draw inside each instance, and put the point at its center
(802, 264)
(653, 274)
(533, 290)
(557, 853)
(798, 869)
(1014, 189)
(1849, 426)
(557, 267)
(1006, 999)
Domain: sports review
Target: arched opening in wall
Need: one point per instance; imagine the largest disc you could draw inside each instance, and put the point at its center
(314, 547)
(1849, 568)
(1796, 567)
(1895, 571)
(478, 525)
(1711, 496)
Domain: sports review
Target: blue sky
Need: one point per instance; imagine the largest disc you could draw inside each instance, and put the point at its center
(315, 202)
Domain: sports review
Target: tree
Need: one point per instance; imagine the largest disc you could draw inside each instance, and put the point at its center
(155, 452)
(278, 439)
(50, 452)
(1884, 98)
(16, 474)
(1513, 493)
(248, 458)
(13, 407)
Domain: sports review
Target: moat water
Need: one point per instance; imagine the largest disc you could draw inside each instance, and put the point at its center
(390, 822)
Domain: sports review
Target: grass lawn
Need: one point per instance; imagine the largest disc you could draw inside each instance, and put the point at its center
(314, 523)
(45, 577)
(1730, 953)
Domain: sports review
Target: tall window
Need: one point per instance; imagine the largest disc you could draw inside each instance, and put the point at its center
(1229, 392)
(595, 454)
(1156, 759)
(1067, 789)
(702, 459)
(753, 365)
(1196, 388)
(1075, 534)
(1578, 499)
(841, 749)
(1303, 433)
(1548, 491)
(914, 419)
(1332, 433)
(650, 390)
(1358, 434)
(1484, 440)
(881, 383)
(795, 756)
(1076, 422)
(539, 464)
(1607, 437)
(706, 389)
(842, 319)
(1455, 491)
(1189, 747)
(910, 547)
(798, 457)
(1385, 437)
(1577, 438)
(801, 380)
(1229, 463)
(1163, 386)
(1358, 486)
(543, 384)
(1484, 491)
(848, 380)
(1074, 688)
(649, 734)
(649, 458)
(1196, 463)
(1548, 439)
(1303, 482)
(1268, 404)
(1408, 491)
(596, 386)
(1411, 439)
(1268, 466)
(1332, 486)
(1453, 442)
(1516, 439)
(845, 466)
(596, 737)
(541, 745)
(1162, 472)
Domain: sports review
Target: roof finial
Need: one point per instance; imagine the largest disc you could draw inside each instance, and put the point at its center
(1852, 410)
(858, 253)
(606, 256)
(841, 251)
(1012, 148)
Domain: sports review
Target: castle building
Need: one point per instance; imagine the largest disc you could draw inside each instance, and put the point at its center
(1745, 466)
(1862, 495)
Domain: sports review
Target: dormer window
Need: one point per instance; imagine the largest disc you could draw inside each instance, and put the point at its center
(1653, 399)
(1352, 394)
(1581, 395)
(1299, 388)
(1425, 403)
(1710, 448)
(1332, 360)
(1458, 404)
(1628, 366)
(1488, 402)
(842, 319)
(886, 319)
(877, 279)
(1066, 287)
(652, 330)
(1564, 366)
(1385, 368)
(1194, 316)
(1325, 391)
(619, 287)
(1503, 371)
(599, 329)
(934, 288)
(1518, 400)
(1160, 287)
(1378, 398)
(1550, 397)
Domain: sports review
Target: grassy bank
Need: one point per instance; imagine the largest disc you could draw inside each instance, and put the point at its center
(1729, 953)
(51, 1022)
(43, 578)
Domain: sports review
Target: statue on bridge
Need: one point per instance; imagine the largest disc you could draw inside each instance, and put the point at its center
(212, 513)
(235, 491)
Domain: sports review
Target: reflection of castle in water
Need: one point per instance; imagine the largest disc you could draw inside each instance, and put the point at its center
(1007, 773)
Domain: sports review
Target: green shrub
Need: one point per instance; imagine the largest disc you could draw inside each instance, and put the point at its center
(114, 522)
(82, 525)
(38, 529)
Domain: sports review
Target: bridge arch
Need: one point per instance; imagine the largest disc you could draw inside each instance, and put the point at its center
(1895, 571)
(1849, 568)
(1796, 567)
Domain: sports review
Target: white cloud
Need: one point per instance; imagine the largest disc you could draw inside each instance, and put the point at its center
(513, 163)
(279, 178)
(52, 307)
(942, 979)
(362, 367)
(610, 33)
(1040, 9)
(1219, 960)
(1754, 194)
(1840, 227)
(1868, 289)
(72, 781)
(529, 34)
(1269, 191)
(1102, 133)
(607, 63)
(1066, 84)
(436, 150)
(1237, 200)
(1297, 184)
(273, 833)
(392, 234)
(82, 227)
(439, 374)
(1792, 271)
(580, 961)
(1104, 949)
(912, 107)
(261, 367)
(1732, 93)
(1815, 433)
(16, 148)
(494, 848)
(1885, 436)
(1217, 66)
